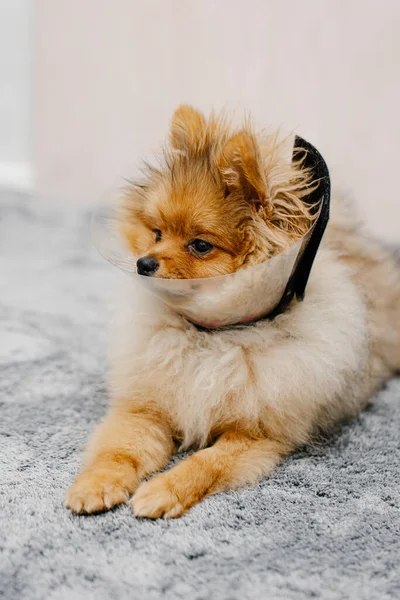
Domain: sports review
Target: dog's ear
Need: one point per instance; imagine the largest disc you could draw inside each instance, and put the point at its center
(188, 128)
(241, 167)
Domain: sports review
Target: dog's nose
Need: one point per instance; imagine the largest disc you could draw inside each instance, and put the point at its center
(147, 265)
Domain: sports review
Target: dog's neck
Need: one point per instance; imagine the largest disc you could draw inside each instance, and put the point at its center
(212, 326)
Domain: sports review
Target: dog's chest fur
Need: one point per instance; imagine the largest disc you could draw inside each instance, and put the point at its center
(282, 377)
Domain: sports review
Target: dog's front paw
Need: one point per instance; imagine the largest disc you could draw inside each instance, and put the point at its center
(101, 489)
(156, 498)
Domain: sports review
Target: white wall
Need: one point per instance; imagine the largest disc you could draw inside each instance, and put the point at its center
(109, 74)
(16, 24)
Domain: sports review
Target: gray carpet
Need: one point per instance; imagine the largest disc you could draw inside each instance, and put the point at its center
(326, 525)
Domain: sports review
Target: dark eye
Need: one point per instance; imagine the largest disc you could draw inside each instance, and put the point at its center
(200, 246)
(158, 234)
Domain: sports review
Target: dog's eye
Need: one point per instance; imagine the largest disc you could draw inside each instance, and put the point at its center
(158, 234)
(200, 246)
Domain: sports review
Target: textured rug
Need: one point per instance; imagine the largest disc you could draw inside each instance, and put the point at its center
(325, 525)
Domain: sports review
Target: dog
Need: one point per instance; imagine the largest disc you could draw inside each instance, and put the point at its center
(244, 398)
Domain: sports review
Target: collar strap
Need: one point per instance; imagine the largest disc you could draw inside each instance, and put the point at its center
(320, 197)
(296, 286)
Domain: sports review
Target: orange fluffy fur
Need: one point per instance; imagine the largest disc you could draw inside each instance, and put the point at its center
(247, 397)
(225, 187)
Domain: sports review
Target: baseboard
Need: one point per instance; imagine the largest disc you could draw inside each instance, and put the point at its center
(16, 176)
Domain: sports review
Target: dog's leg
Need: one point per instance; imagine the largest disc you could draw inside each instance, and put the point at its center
(126, 447)
(233, 461)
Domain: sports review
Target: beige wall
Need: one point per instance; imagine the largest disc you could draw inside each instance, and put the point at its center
(16, 26)
(109, 73)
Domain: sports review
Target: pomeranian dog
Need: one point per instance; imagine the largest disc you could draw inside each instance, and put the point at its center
(243, 397)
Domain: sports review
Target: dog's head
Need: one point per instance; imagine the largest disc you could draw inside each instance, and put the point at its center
(220, 201)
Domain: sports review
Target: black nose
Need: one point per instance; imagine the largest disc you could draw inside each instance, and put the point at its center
(147, 265)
